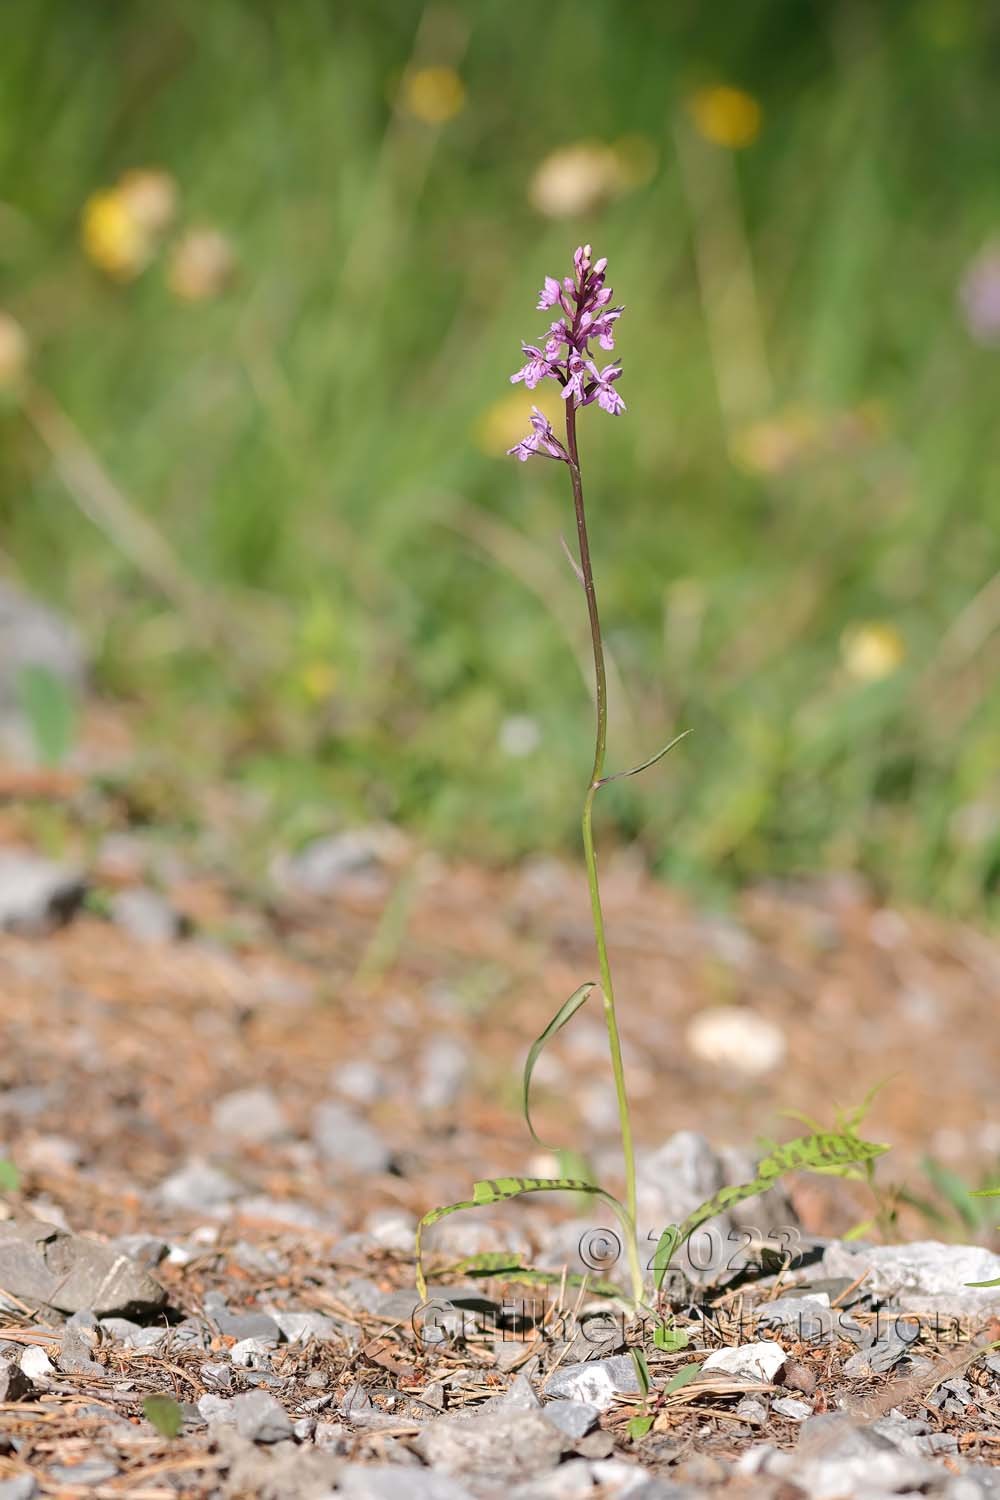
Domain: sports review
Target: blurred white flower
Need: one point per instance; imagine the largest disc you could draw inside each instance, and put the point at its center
(575, 180)
(201, 266)
(519, 736)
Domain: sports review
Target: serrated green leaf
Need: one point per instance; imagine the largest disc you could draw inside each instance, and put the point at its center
(47, 703)
(565, 1013)
(814, 1153)
(638, 1427)
(10, 1177)
(500, 1190)
(164, 1413)
(681, 1379)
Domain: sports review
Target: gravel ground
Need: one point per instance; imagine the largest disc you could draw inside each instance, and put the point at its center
(227, 1109)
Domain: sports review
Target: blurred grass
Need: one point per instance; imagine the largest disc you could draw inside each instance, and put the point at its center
(810, 457)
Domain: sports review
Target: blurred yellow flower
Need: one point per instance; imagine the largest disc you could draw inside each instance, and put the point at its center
(434, 95)
(506, 421)
(872, 651)
(775, 444)
(318, 680)
(201, 265)
(13, 351)
(576, 179)
(726, 116)
(120, 226)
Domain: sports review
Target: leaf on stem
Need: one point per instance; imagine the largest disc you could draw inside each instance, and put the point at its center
(499, 1190)
(641, 1371)
(565, 1013)
(821, 1152)
(573, 562)
(621, 775)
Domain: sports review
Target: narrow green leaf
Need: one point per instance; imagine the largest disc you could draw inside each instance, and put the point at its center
(47, 703)
(641, 1370)
(993, 1192)
(165, 1415)
(665, 1247)
(10, 1177)
(565, 1013)
(955, 1192)
(500, 1264)
(636, 770)
(858, 1231)
(682, 1378)
(500, 1190)
(638, 1427)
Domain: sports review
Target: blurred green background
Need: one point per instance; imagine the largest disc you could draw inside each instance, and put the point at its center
(265, 266)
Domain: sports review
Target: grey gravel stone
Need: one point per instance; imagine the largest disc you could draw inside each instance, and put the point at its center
(574, 1419)
(752, 1410)
(385, 1482)
(879, 1357)
(504, 1446)
(359, 1080)
(252, 1354)
(300, 1327)
(75, 1355)
(217, 1375)
(348, 1142)
(23, 1487)
(241, 1325)
(326, 865)
(90, 1471)
(14, 1384)
(44, 1265)
(147, 1250)
(36, 895)
(260, 1418)
(926, 1276)
(442, 1069)
(810, 1315)
(253, 1116)
(146, 916)
(790, 1406)
(198, 1187)
(837, 1457)
(595, 1381)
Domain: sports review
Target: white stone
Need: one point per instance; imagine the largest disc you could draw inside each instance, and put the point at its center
(926, 1276)
(736, 1039)
(760, 1361)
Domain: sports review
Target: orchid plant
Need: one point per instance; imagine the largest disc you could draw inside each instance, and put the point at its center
(582, 303)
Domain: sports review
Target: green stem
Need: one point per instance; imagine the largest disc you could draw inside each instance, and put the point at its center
(590, 854)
